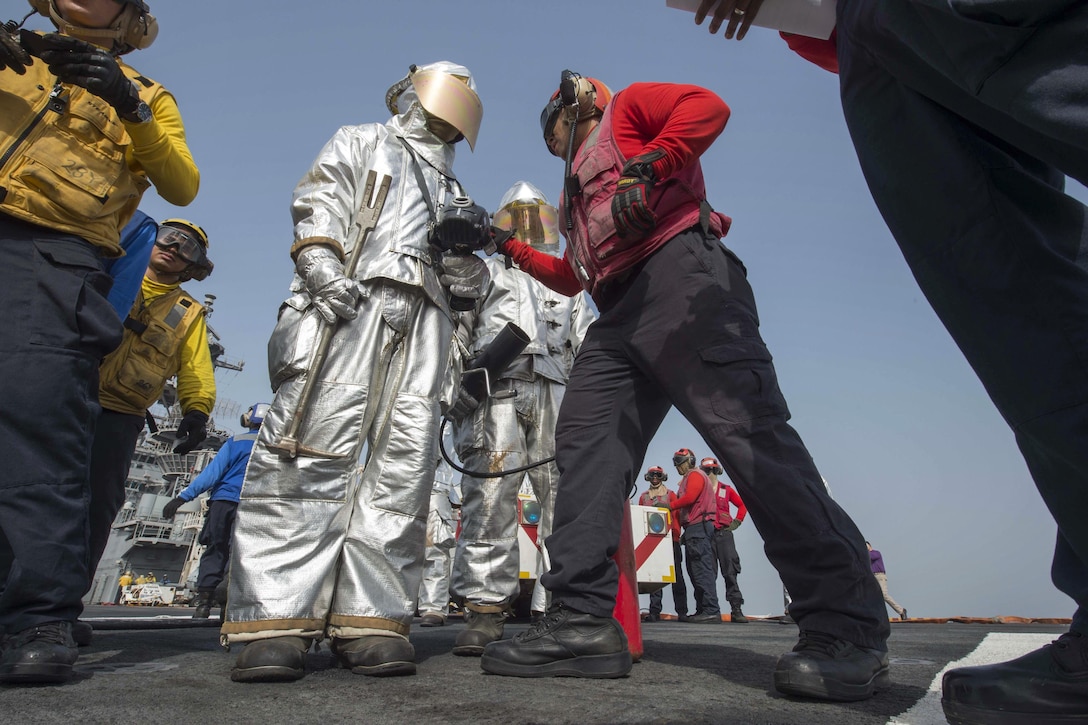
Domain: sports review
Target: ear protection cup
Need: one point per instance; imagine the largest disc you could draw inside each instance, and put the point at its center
(135, 28)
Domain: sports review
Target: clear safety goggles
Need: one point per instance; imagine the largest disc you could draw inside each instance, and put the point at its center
(534, 224)
(183, 243)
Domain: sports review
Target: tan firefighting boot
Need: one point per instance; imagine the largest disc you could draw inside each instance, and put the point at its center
(480, 629)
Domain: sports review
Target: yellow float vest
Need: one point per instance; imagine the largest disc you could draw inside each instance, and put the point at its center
(132, 376)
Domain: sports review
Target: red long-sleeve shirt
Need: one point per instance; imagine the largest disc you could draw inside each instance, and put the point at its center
(821, 52)
(680, 120)
(724, 518)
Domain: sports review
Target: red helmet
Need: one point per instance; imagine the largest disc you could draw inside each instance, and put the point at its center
(710, 465)
(656, 472)
(592, 96)
(684, 454)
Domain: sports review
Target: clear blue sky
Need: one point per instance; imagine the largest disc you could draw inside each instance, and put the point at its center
(895, 419)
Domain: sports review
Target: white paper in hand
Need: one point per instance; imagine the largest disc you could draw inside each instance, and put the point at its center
(814, 18)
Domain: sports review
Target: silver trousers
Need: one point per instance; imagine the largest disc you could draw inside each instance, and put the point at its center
(329, 545)
(506, 431)
(434, 590)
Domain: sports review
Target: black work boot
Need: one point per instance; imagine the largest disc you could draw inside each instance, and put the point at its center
(481, 628)
(82, 633)
(737, 616)
(376, 655)
(827, 668)
(41, 654)
(219, 596)
(565, 644)
(278, 659)
(203, 603)
(1049, 685)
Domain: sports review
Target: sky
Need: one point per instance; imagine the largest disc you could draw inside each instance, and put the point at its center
(895, 419)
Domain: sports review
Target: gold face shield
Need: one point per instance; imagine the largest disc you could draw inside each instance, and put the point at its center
(450, 99)
(534, 223)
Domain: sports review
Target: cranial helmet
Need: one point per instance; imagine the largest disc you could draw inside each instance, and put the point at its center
(710, 465)
(191, 243)
(588, 96)
(134, 29)
(443, 89)
(655, 472)
(683, 455)
(525, 211)
(254, 416)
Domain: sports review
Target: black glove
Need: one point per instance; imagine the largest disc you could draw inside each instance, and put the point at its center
(194, 429)
(630, 206)
(12, 54)
(499, 238)
(76, 61)
(171, 508)
(464, 405)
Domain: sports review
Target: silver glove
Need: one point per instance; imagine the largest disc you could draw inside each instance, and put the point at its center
(331, 292)
(466, 277)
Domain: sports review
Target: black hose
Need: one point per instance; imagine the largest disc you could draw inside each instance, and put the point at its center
(480, 474)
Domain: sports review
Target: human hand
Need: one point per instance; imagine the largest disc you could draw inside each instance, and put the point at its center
(78, 62)
(332, 294)
(170, 510)
(464, 405)
(192, 431)
(631, 205)
(735, 524)
(466, 277)
(12, 54)
(738, 13)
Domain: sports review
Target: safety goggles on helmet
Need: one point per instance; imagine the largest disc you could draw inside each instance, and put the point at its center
(656, 472)
(683, 456)
(190, 243)
(710, 465)
(183, 243)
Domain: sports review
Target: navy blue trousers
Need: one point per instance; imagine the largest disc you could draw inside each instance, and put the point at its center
(56, 327)
(682, 330)
(702, 566)
(966, 115)
(216, 536)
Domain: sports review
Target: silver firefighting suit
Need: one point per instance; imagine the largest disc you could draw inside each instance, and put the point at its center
(434, 591)
(512, 428)
(331, 544)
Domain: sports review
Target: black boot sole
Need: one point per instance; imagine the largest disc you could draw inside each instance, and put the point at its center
(594, 667)
(40, 673)
(269, 673)
(386, 669)
(822, 688)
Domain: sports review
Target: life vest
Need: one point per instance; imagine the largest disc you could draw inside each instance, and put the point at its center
(594, 249)
(66, 160)
(132, 376)
(724, 518)
(705, 508)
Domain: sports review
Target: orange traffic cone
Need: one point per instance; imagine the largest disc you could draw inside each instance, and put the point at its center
(626, 611)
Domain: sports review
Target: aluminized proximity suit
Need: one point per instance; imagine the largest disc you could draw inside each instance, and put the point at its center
(434, 590)
(333, 544)
(512, 428)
